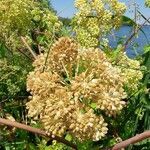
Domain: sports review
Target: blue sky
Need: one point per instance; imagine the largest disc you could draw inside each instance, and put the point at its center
(65, 8)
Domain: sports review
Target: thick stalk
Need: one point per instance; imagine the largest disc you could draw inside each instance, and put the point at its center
(132, 140)
(36, 131)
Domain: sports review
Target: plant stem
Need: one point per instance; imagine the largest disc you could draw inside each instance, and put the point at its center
(133, 34)
(36, 131)
(29, 48)
(132, 140)
(47, 55)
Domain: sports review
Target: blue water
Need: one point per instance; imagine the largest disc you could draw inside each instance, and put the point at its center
(137, 43)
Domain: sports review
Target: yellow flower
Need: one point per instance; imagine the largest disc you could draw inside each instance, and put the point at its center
(95, 18)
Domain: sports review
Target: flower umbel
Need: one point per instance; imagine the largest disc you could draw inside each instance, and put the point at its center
(75, 78)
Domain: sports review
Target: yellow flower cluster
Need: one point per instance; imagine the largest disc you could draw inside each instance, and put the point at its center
(15, 13)
(14, 17)
(147, 3)
(46, 19)
(73, 80)
(96, 17)
(20, 17)
(130, 71)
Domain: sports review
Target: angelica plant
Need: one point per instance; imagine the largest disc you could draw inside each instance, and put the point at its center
(74, 79)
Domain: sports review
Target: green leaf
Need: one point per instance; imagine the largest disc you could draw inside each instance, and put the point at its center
(93, 105)
(68, 137)
(146, 48)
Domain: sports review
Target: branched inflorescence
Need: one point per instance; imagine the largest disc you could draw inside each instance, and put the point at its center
(73, 80)
(130, 71)
(23, 17)
(95, 18)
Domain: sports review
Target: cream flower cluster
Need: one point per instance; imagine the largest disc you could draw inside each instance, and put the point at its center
(95, 18)
(73, 80)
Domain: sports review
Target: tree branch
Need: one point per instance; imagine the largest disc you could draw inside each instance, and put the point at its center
(25, 54)
(36, 131)
(133, 34)
(29, 48)
(132, 140)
